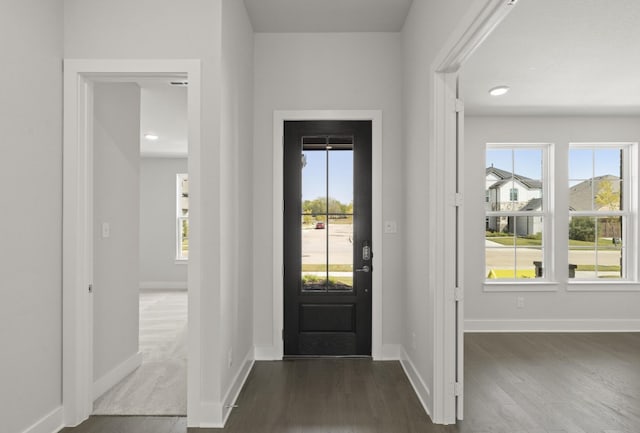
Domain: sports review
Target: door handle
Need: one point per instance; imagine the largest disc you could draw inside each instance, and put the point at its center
(365, 268)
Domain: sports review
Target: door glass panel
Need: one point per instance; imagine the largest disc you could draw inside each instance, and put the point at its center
(340, 232)
(327, 214)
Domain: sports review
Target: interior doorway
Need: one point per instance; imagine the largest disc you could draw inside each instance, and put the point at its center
(327, 238)
(81, 76)
(141, 247)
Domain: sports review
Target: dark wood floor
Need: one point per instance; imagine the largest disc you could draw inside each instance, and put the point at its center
(515, 383)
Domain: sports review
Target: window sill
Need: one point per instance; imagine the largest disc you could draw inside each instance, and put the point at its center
(512, 286)
(182, 261)
(609, 286)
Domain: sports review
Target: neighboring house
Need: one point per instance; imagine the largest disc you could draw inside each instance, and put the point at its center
(508, 191)
(583, 194)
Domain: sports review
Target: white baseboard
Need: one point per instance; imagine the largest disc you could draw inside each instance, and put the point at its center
(215, 415)
(266, 353)
(391, 352)
(421, 389)
(50, 423)
(109, 380)
(236, 386)
(555, 325)
(163, 285)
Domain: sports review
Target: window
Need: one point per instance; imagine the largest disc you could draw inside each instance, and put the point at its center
(182, 216)
(600, 215)
(513, 194)
(517, 212)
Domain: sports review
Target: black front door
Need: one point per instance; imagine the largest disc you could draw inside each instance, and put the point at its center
(327, 238)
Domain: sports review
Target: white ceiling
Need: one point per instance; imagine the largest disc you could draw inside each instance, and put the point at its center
(559, 57)
(163, 112)
(319, 16)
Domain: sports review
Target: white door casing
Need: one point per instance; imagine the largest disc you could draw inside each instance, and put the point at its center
(77, 329)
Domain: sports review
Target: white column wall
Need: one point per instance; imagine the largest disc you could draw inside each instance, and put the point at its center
(31, 217)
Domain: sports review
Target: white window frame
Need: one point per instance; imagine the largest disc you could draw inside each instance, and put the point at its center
(547, 281)
(180, 218)
(629, 213)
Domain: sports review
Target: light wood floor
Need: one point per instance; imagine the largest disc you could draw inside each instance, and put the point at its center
(514, 383)
(159, 385)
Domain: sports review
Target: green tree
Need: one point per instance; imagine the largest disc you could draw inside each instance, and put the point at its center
(607, 197)
(582, 229)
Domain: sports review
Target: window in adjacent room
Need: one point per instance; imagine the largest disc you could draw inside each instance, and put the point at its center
(601, 220)
(182, 216)
(517, 239)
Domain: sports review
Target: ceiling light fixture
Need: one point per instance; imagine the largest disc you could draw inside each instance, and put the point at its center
(499, 91)
(151, 137)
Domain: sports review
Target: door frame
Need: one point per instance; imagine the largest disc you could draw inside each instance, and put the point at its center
(444, 170)
(279, 117)
(77, 242)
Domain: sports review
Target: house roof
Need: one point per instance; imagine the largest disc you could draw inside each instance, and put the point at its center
(533, 204)
(582, 195)
(506, 176)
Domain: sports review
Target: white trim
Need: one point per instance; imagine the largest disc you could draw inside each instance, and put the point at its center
(163, 285)
(50, 423)
(474, 28)
(417, 383)
(231, 397)
(510, 286)
(553, 325)
(215, 415)
(279, 117)
(119, 372)
(77, 326)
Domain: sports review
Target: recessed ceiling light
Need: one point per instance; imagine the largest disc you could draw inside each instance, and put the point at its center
(151, 137)
(499, 91)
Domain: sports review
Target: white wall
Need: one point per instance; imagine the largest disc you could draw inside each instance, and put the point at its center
(236, 195)
(116, 163)
(31, 217)
(428, 27)
(158, 267)
(322, 72)
(163, 29)
(561, 309)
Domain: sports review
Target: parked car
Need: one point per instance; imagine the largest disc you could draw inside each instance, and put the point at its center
(319, 225)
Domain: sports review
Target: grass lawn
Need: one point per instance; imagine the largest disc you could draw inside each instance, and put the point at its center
(601, 268)
(521, 242)
(525, 242)
(509, 273)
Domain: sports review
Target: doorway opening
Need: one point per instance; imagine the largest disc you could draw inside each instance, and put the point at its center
(141, 247)
(82, 233)
(327, 238)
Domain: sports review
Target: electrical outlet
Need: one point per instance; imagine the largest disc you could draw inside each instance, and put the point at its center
(520, 302)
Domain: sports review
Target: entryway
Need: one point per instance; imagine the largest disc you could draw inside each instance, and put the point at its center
(327, 238)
